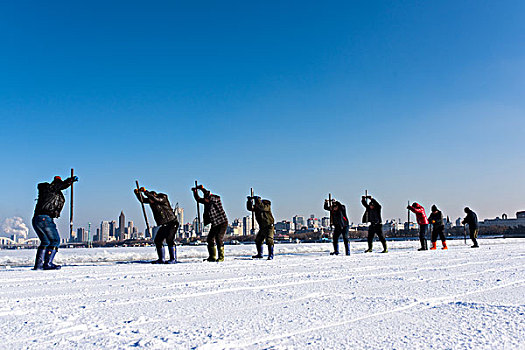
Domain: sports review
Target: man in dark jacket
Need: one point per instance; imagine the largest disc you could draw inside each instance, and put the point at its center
(213, 214)
(438, 228)
(341, 224)
(472, 221)
(263, 215)
(165, 219)
(48, 207)
(373, 216)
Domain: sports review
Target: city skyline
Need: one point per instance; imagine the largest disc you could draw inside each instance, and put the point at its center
(295, 100)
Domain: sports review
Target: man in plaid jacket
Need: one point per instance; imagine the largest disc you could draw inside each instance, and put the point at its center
(213, 214)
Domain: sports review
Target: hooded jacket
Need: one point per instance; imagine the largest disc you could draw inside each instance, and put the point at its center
(50, 198)
(372, 216)
(160, 206)
(263, 211)
(337, 217)
(436, 217)
(421, 216)
(471, 219)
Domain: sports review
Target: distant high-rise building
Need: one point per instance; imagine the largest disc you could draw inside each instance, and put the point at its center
(247, 226)
(179, 213)
(104, 231)
(122, 226)
(130, 230)
(113, 229)
(298, 222)
(82, 235)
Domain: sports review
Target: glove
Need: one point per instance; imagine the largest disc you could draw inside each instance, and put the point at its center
(75, 178)
(142, 189)
(408, 207)
(136, 190)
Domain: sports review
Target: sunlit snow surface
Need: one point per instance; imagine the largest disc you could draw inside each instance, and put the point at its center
(455, 299)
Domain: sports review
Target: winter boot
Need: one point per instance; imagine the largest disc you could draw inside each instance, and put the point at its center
(160, 253)
(434, 246)
(423, 244)
(221, 254)
(212, 254)
(369, 250)
(172, 250)
(48, 259)
(475, 241)
(444, 245)
(270, 252)
(347, 248)
(39, 261)
(385, 248)
(259, 255)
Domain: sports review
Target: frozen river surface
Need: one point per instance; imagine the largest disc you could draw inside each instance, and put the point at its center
(305, 299)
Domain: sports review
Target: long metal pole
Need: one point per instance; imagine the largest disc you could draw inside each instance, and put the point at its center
(330, 206)
(253, 214)
(366, 200)
(198, 214)
(71, 208)
(408, 220)
(143, 208)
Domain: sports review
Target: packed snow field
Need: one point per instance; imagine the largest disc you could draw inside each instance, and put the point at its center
(105, 298)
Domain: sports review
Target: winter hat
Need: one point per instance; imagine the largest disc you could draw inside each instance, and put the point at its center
(434, 208)
(57, 178)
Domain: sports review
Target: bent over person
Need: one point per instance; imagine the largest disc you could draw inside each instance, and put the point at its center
(438, 228)
(166, 220)
(213, 214)
(341, 225)
(373, 216)
(422, 221)
(263, 215)
(48, 207)
(472, 221)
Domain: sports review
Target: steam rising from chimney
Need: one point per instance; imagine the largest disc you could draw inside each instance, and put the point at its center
(15, 226)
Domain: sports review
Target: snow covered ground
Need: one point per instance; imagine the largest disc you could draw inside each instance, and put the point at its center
(304, 299)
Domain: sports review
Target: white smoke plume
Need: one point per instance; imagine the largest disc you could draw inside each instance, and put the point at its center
(15, 225)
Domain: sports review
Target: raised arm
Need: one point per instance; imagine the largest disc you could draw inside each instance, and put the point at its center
(140, 197)
(198, 198)
(62, 185)
(249, 204)
(376, 203)
(260, 205)
(326, 205)
(154, 198)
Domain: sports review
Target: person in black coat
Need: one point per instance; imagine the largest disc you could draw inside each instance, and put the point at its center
(438, 228)
(48, 207)
(473, 226)
(166, 220)
(373, 216)
(339, 219)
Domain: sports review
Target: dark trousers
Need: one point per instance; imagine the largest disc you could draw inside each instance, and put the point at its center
(47, 232)
(338, 231)
(474, 236)
(376, 229)
(265, 233)
(216, 235)
(168, 232)
(438, 231)
(423, 235)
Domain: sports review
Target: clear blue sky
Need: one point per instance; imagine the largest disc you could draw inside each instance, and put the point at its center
(412, 100)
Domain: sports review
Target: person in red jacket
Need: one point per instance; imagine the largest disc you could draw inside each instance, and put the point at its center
(422, 221)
